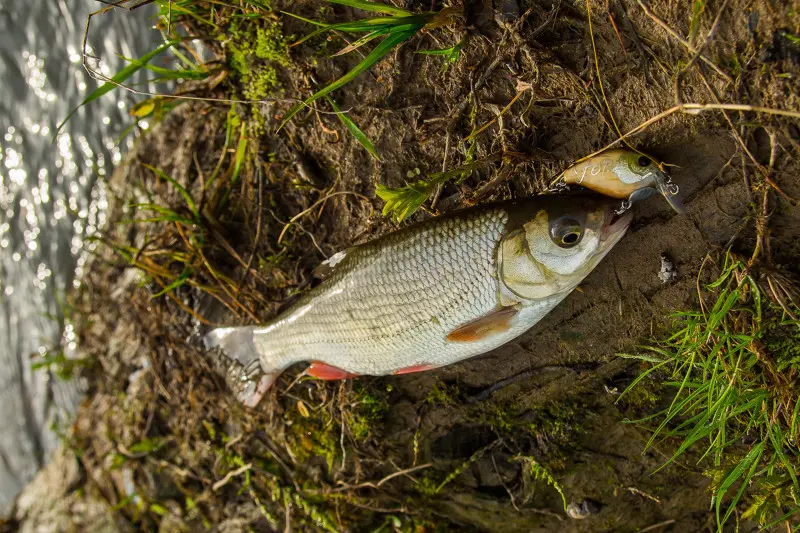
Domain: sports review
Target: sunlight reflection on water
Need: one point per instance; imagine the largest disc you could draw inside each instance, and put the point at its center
(52, 196)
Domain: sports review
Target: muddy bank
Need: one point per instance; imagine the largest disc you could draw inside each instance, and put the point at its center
(502, 442)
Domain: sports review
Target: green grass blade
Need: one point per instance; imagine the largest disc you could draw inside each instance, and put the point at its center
(694, 25)
(181, 280)
(241, 149)
(361, 42)
(641, 357)
(238, 159)
(749, 464)
(186, 196)
(776, 436)
(118, 78)
(310, 21)
(377, 53)
(354, 129)
(376, 7)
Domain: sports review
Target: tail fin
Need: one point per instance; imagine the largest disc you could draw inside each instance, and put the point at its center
(244, 372)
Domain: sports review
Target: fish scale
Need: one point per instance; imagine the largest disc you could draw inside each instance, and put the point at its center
(377, 314)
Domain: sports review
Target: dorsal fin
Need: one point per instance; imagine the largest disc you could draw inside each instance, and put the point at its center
(484, 327)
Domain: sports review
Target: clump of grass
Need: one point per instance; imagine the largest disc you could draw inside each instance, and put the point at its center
(395, 27)
(192, 227)
(736, 375)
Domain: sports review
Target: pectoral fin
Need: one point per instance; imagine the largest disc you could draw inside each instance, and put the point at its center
(484, 327)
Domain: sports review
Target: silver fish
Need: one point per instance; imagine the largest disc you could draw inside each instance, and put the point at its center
(433, 293)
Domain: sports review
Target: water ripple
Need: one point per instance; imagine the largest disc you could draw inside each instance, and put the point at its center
(52, 196)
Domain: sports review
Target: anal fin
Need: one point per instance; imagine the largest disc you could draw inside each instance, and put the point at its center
(413, 368)
(497, 321)
(321, 370)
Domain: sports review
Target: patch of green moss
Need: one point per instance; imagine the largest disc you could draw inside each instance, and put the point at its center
(315, 435)
(557, 423)
(642, 398)
(272, 45)
(255, 51)
(782, 342)
(443, 394)
(365, 419)
(500, 416)
(261, 82)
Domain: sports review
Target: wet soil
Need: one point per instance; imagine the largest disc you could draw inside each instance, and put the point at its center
(475, 428)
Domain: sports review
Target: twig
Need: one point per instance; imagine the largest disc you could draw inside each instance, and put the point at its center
(522, 87)
(486, 393)
(696, 56)
(597, 68)
(510, 494)
(315, 204)
(224, 481)
(439, 186)
(683, 41)
(384, 480)
(656, 526)
(258, 232)
(643, 494)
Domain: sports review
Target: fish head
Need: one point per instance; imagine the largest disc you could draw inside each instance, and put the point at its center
(558, 241)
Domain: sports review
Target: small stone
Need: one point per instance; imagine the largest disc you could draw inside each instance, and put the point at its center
(584, 508)
(667, 272)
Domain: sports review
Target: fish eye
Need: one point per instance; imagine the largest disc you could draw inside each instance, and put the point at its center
(644, 161)
(566, 232)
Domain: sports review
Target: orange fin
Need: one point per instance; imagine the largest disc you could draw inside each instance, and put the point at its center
(321, 370)
(414, 368)
(484, 327)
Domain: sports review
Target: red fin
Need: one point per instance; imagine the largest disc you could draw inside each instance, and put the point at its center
(479, 329)
(414, 368)
(321, 370)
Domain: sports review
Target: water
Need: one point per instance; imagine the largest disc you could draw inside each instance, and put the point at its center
(51, 198)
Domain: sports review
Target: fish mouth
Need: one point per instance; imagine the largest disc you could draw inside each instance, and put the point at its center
(615, 224)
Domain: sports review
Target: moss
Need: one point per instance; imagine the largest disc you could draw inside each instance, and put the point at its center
(443, 394)
(255, 51)
(316, 435)
(558, 423)
(365, 418)
(272, 45)
(782, 342)
(643, 397)
(261, 82)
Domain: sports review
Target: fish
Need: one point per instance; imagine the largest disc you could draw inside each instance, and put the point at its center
(430, 294)
(624, 174)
